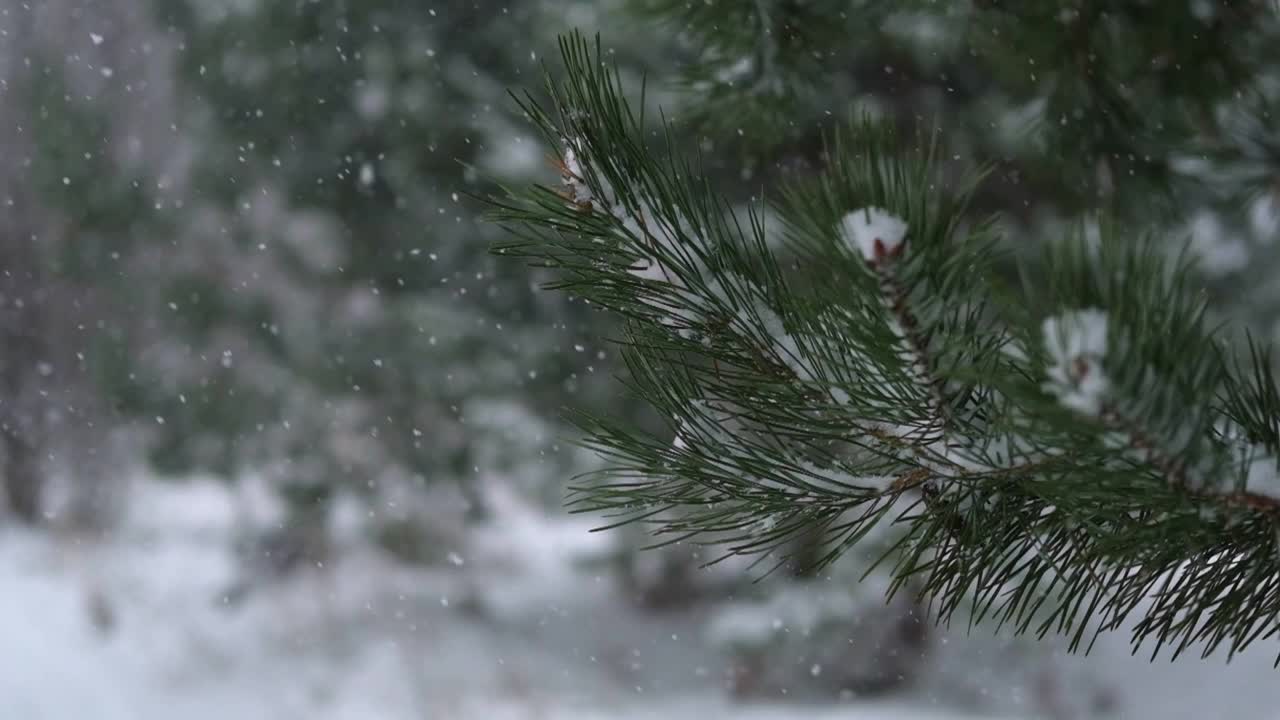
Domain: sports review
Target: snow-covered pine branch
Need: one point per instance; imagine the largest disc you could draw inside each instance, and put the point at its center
(1076, 342)
(1085, 441)
(881, 239)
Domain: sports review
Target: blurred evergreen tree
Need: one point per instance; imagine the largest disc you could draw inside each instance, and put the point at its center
(71, 216)
(341, 325)
(1159, 113)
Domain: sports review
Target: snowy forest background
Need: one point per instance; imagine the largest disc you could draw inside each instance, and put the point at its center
(281, 438)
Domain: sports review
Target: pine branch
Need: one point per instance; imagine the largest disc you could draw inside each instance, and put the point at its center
(896, 299)
(1175, 472)
(1092, 451)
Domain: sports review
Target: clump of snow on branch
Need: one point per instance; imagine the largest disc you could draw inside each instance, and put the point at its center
(682, 437)
(707, 423)
(878, 236)
(1262, 473)
(1077, 342)
(574, 178)
(836, 479)
(641, 223)
(785, 345)
(874, 233)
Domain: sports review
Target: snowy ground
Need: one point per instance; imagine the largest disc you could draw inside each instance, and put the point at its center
(134, 629)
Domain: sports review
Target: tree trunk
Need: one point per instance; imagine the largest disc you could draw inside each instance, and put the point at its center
(23, 479)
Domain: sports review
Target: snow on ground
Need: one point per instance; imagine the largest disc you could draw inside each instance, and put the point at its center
(134, 628)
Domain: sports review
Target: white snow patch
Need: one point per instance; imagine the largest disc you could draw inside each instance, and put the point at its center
(650, 269)
(1077, 342)
(1263, 474)
(369, 639)
(1220, 252)
(840, 480)
(799, 610)
(873, 232)
(574, 176)
(786, 346)
(1264, 218)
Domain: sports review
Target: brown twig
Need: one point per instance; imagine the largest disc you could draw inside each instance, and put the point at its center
(1175, 473)
(896, 300)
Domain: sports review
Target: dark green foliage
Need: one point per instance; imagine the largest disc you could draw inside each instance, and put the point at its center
(1080, 105)
(102, 208)
(757, 60)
